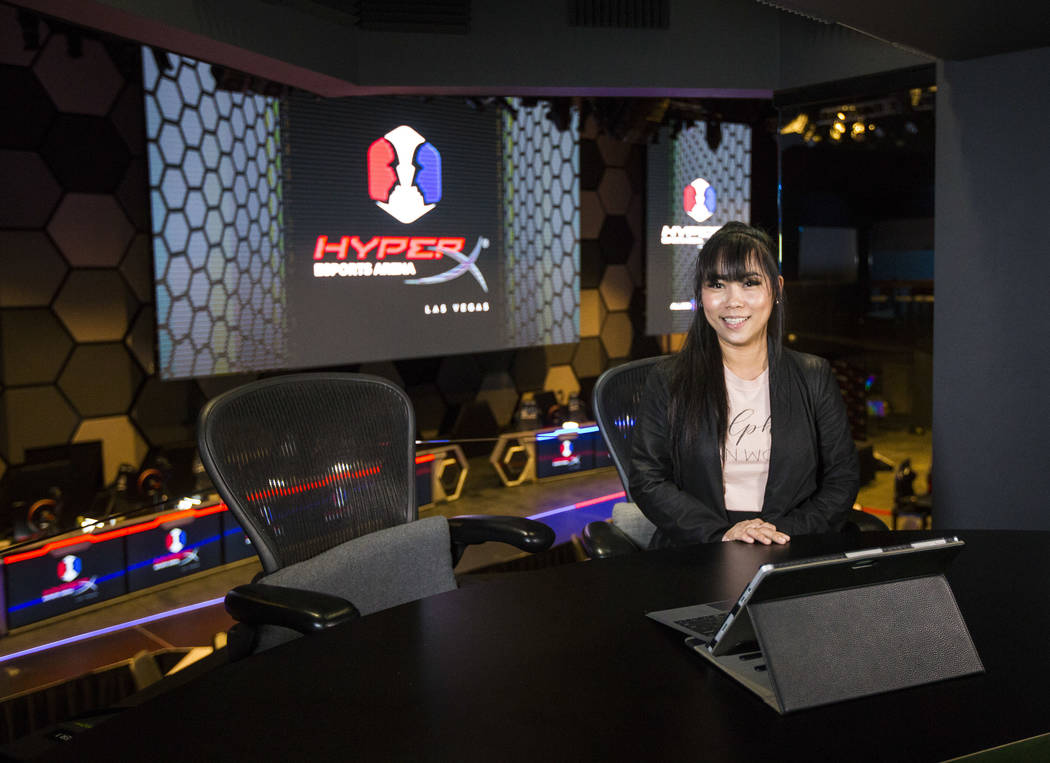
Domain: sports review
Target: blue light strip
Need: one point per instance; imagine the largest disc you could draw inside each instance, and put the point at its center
(111, 629)
(563, 432)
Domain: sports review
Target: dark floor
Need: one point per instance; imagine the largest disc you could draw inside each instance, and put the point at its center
(37, 655)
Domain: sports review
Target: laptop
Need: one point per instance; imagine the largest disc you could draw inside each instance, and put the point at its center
(723, 631)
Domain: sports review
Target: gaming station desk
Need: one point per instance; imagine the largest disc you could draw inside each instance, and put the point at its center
(562, 664)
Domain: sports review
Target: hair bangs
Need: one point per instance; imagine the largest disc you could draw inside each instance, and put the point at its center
(735, 258)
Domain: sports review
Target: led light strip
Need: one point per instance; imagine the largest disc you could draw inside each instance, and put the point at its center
(580, 505)
(111, 629)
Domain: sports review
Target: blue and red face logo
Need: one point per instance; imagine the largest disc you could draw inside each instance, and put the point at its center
(69, 568)
(566, 448)
(175, 541)
(404, 174)
(699, 200)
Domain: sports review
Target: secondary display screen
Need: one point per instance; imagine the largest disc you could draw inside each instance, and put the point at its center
(693, 190)
(294, 232)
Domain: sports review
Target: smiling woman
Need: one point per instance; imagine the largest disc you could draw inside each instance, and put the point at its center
(739, 438)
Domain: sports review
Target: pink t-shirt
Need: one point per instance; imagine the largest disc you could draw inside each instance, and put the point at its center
(747, 442)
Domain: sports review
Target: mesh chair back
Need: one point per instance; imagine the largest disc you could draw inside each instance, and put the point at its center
(308, 461)
(617, 394)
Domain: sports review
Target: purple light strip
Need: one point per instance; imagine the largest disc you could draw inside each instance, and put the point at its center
(110, 629)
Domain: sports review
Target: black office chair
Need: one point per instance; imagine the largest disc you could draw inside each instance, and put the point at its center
(319, 469)
(617, 395)
(615, 401)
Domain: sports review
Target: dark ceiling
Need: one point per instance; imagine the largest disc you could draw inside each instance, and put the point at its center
(948, 29)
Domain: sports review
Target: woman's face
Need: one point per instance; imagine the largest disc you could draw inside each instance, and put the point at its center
(738, 311)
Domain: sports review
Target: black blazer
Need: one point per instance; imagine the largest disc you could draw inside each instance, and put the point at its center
(813, 472)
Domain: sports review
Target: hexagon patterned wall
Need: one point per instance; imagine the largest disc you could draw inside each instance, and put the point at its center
(77, 312)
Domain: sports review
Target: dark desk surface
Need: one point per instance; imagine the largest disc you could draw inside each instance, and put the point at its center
(561, 664)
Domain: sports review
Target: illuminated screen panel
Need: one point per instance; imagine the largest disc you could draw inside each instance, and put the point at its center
(692, 192)
(173, 550)
(55, 583)
(297, 232)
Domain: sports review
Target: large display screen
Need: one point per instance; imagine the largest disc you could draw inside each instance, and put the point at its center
(693, 190)
(294, 232)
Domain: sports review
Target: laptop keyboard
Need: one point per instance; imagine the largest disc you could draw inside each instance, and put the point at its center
(706, 626)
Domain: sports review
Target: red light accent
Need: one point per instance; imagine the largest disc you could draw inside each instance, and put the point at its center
(122, 532)
(600, 499)
(284, 492)
(870, 510)
(381, 175)
(425, 459)
(323, 247)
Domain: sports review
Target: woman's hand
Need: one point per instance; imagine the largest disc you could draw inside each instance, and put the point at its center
(751, 530)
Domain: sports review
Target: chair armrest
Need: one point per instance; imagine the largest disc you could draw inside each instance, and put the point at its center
(520, 532)
(295, 608)
(602, 540)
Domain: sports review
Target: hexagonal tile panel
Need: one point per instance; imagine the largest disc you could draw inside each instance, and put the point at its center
(30, 269)
(592, 313)
(591, 214)
(100, 379)
(33, 347)
(497, 390)
(591, 165)
(542, 237)
(614, 191)
(121, 442)
(617, 334)
(129, 192)
(458, 379)
(203, 141)
(140, 340)
(591, 264)
(617, 287)
(91, 230)
(590, 358)
(558, 354)
(90, 86)
(35, 417)
(85, 153)
(613, 151)
(137, 268)
(166, 411)
(21, 93)
(28, 190)
(616, 239)
(561, 380)
(127, 119)
(96, 305)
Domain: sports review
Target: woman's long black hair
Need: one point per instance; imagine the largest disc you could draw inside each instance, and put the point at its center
(698, 386)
